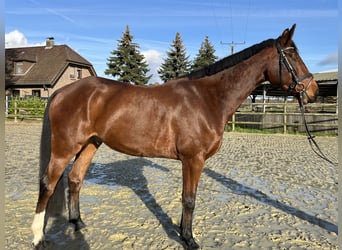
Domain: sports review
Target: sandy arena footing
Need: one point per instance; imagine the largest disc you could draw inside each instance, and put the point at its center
(257, 192)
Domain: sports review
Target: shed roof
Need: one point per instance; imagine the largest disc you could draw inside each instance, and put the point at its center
(327, 83)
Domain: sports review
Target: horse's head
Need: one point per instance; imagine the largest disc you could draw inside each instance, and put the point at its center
(289, 70)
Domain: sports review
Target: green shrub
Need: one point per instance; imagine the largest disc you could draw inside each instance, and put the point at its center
(32, 106)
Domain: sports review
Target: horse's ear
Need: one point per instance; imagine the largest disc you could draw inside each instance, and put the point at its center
(292, 30)
(287, 35)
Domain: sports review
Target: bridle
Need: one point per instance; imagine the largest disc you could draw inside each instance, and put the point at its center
(297, 81)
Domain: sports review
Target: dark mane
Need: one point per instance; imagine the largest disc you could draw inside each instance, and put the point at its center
(230, 61)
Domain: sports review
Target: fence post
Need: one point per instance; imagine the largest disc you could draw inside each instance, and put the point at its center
(284, 115)
(233, 122)
(337, 103)
(15, 110)
(6, 110)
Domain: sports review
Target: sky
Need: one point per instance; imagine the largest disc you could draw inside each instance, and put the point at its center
(93, 28)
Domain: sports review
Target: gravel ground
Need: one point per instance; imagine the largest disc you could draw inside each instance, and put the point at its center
(257, 192)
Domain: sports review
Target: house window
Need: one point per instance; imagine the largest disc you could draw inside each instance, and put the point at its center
(79, 73)
(16, 92)
(36, 92)
(72, 72)
(19, 68)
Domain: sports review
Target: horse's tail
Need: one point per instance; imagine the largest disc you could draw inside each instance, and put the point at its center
(56, 205)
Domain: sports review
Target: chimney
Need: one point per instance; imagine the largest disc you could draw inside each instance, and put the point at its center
(50, 42)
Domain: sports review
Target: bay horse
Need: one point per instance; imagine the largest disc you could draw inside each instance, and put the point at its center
(183, 119)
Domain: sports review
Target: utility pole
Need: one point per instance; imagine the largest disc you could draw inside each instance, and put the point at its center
(232, 45)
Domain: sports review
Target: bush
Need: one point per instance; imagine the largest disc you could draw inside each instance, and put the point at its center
(33, 106)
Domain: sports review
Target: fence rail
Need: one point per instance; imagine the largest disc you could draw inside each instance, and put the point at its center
(285, 117)
(276, 117)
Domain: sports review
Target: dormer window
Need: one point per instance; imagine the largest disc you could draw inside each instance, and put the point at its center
(19, 68)
(22, 67)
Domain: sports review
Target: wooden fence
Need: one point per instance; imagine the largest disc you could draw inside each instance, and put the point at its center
(275, 117)
(285, 117)
(18, 109)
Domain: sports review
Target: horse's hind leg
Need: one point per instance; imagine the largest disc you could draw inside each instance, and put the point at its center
(76, 177)
(48, 183)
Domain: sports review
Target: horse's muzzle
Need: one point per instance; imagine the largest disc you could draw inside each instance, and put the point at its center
(307, 98)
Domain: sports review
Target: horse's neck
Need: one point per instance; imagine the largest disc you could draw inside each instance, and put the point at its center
(237, 83)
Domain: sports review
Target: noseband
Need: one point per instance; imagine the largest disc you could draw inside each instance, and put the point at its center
(296, 80)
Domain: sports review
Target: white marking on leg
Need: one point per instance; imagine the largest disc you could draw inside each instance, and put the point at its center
(38, 227)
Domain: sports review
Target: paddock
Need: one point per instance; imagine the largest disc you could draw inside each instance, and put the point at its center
(258, 192)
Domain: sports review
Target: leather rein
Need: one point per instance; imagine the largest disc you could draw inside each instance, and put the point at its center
(297, 81)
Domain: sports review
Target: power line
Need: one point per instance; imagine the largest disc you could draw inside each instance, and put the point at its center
(233, 44)
(247, 18)
(231, 19)
(216, 19)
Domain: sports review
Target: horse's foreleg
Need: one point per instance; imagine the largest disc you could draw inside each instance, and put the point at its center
(192, 170)
(75, 178)
(48, 183)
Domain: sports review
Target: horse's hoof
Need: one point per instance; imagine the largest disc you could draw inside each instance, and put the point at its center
(79, 224)
(41, 245)
(192, 244)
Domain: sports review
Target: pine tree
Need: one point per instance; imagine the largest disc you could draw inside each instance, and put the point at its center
(206, 55)
(177, 63)
(127, 63)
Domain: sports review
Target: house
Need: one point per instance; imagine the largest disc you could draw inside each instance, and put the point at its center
(39, 71)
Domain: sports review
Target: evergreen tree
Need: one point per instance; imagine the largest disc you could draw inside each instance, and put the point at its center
(206, 55)
(177, 63)
(127, 63)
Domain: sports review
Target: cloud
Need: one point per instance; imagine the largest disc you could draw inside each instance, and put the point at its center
(15, 39)
(331, 59)
(154, 60)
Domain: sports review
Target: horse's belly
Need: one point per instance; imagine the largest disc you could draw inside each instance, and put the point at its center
(139, 144)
